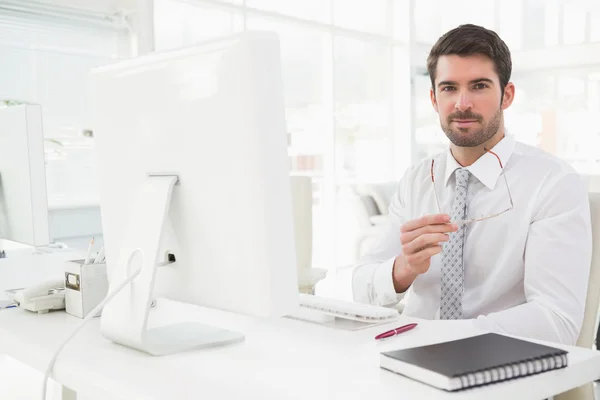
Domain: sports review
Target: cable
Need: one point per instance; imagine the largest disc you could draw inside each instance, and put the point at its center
(87, 319)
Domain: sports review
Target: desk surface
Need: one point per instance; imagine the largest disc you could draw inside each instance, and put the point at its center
(280, 359)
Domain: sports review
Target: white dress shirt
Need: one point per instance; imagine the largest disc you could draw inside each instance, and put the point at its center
(525, 272)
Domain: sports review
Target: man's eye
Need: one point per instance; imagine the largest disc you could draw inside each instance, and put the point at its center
(448, 88)
(480, 86)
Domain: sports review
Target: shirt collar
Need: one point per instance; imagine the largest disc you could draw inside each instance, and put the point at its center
(486, 169)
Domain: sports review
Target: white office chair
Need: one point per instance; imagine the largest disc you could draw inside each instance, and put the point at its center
(371, 210)
(302, 199)
(588, 329)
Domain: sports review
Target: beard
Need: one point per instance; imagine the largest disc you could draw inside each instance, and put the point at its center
(461, 136)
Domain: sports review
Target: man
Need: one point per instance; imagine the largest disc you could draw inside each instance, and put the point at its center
(491, 231)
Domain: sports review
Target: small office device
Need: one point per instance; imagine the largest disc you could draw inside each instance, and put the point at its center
(23, 197)
(40, 298)
(193, 175)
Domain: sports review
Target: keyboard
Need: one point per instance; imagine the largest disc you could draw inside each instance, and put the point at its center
(311, 307)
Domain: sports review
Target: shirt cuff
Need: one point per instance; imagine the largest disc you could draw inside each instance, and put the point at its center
(382, 291)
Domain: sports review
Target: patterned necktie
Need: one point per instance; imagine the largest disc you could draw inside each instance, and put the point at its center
(452, 255)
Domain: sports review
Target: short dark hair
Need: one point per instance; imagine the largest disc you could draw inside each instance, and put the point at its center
(470, 39)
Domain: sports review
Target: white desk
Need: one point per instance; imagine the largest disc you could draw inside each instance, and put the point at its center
(280, 359)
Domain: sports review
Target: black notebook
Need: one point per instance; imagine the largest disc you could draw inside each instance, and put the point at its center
(474, 361)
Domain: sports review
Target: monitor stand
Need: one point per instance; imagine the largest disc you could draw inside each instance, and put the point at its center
(125, 318)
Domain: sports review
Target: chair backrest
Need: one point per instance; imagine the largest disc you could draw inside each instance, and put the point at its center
(381, 194)
(370, 206)
(588, 329)
(302, 199)
(590, 317)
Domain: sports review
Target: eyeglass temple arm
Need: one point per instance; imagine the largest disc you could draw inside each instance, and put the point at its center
(437, 200)
(505, 180)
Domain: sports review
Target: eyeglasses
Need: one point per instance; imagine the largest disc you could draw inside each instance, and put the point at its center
(467, 221)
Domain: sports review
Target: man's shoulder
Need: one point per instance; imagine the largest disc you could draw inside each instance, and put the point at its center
(536, 159)
(547, 175)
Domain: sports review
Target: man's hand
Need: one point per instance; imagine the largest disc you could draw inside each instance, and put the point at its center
(421, 239)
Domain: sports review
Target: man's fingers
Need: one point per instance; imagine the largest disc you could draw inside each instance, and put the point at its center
(424, 221)
(407, 237)
(423, 255)
(423, 241)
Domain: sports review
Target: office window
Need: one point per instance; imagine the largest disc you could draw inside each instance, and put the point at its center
(556, 111)
(574, 24)
(180, 24)
(337, 59)
(364, 15)
(427, 19)
(305, 54)
(510, 17)
(401, 110)
(595, 26)
(402, 17)
(552, 13)
(363, 131)
(429, 137)
(435, 17)
(313, 10)
(362, 95)
(533, 29)
(46, 60)
(527, 118)
(466, 12)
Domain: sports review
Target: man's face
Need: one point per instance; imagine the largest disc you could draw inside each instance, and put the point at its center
(468, 98)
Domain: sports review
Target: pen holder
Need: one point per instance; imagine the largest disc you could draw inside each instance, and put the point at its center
(86, 285)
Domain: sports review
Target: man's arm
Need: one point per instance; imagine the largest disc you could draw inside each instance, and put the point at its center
(372, 281)
(557, 263)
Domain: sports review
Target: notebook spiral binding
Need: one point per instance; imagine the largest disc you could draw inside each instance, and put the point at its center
(510, 371)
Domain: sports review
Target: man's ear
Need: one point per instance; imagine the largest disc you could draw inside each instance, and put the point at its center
(433, 99)
(509, 95)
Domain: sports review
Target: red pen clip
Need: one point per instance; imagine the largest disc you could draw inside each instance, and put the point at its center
(395, 332)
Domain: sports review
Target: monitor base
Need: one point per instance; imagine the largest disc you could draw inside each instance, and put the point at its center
(186, 336)
(125, 318)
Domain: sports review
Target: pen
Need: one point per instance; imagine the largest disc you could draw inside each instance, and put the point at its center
(395, 332)
(89, 252)
(99, 256)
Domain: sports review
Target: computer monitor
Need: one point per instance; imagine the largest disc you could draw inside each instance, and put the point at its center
(192, 165)
(23, 198)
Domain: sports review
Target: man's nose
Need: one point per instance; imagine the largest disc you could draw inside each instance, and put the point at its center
(463, 103)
